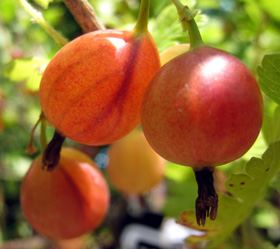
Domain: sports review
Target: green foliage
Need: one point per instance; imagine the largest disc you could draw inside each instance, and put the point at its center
(167, 37)
(29, 70)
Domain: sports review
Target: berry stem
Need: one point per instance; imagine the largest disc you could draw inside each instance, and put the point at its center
(38, 17)
(43, 136)
(186, 16)
(51, 154)
(143, 18)
(207, 201)
(30, 147)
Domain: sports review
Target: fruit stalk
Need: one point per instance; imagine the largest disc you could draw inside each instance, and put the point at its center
(143, 18)
(43, 136)
(38, 17)
(207, 201)
(186, 16)
(30, 147)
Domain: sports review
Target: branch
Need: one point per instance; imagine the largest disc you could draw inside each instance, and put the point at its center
(84, 14)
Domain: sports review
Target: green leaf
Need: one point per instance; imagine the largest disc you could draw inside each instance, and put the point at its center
(245, 189)
(29, 70)
(269, 76)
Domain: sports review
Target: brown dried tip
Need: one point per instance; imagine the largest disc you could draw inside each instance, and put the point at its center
(31, 149)
(51, 154)
(207, 201)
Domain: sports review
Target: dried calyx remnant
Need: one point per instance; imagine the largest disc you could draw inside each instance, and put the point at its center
(207, 201)
(51, 154)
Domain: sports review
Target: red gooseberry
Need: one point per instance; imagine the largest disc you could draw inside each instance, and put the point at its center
(69, 201)
(203, 108)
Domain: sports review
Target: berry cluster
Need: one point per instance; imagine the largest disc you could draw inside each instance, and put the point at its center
(201, 109)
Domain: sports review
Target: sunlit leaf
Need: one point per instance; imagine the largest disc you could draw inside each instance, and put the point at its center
(245, 189)
(269, 76)
(29, 70)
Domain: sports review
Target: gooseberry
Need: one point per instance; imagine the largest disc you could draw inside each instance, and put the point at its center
(134, 167)
(92, 89)
(202, 109)
(69, 201)
(173, 52)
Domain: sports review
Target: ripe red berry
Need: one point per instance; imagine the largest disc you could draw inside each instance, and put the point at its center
(69, 201)
(92, 89)
(203, 108)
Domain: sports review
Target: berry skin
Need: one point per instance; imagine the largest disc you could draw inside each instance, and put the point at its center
(134, 167)
(67, 202)
(92, 89)
(202, 109)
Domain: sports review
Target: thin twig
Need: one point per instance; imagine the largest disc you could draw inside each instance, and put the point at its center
(84, 14)
(38, 18)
